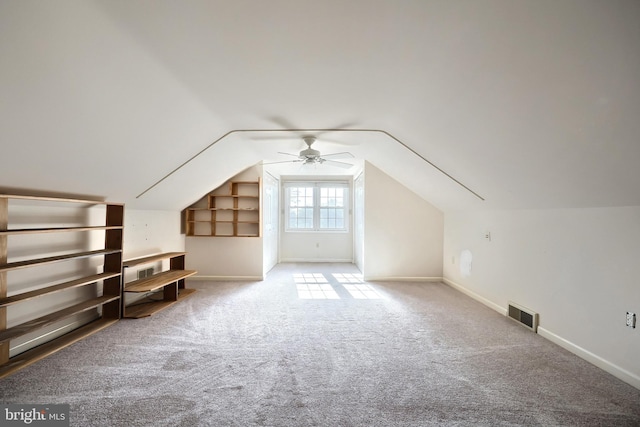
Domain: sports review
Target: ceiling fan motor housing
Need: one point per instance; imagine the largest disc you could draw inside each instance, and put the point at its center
(309, 153)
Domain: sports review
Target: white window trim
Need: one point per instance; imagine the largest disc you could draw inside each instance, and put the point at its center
(316, 205)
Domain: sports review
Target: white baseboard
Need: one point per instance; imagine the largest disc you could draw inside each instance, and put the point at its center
(226, 278)
(402, 279)
(349, 260)
(475, 296)
(616, 371)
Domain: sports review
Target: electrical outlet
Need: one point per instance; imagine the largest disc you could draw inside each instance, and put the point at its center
(631, 319)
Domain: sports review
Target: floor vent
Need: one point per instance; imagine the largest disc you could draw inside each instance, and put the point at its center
(524, 316)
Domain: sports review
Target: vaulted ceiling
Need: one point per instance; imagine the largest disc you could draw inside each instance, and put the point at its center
(529, 104)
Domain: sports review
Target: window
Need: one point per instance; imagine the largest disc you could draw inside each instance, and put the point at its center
(316, 206)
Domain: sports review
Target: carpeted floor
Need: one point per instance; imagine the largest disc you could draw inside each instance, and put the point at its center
(304, 350)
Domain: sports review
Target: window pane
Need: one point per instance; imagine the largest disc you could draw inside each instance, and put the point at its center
(340, 197)
(326, 200)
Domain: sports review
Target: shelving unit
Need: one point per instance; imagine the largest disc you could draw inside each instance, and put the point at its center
(171, 283)
(231, 213)
(106, 305)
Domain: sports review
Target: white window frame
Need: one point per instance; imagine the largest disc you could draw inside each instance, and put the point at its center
(316, 192)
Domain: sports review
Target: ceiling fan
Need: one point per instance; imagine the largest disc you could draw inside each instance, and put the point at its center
(311, 156)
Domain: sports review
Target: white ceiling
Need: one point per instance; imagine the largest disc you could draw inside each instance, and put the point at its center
(530, 104)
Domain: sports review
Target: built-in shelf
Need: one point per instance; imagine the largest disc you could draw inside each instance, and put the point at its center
(55, 230)
(150, 307)
(170, 284)
(49, 319)
(151, 258)
(104, 299)
(57, 258)
(89, 280)
(157, 281)
(233, 211)
(29, 357)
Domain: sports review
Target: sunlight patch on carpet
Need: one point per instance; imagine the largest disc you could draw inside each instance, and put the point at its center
(362, 291)
(348, 277)
(354, 284)
(314, 286)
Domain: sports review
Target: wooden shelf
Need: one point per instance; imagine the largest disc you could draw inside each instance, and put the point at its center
(43, 321)
(233, 209)
(157, 281)
(56, 288)
(109, 302)
(225, 211)
(38, 353)
(56, 230)
(151, 258)
(146, 309)
(58, 199)
(239, 196)
(171, 282)
(48, 260)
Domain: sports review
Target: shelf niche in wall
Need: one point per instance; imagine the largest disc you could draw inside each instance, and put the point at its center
(231, 210)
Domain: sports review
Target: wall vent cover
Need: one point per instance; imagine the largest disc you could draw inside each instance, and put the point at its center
(148, 272)
(524, 316)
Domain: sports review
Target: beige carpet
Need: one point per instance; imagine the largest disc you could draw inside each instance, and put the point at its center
(321, 350)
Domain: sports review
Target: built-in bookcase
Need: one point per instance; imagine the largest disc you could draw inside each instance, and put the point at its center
(231, 211)
(56, 284)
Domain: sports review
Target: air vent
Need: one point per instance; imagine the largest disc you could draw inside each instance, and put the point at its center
(524, 316)
(147, 272)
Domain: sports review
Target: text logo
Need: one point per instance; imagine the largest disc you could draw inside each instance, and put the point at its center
(34, 415)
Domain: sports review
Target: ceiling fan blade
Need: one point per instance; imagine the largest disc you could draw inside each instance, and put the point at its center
(285, 124)
(346, 125)
(337, 142)
(280, 137)
(289, 154)
(342, 155)
(283, 161)
(342, 165)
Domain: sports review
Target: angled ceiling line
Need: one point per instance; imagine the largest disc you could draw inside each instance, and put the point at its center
(311, 130)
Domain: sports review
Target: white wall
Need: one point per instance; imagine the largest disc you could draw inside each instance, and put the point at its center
(270, 221)
(576, 267)
(358, 221)
(403, 233)
(225, 258)
(222, 258)
(148, 232)
(316, 246)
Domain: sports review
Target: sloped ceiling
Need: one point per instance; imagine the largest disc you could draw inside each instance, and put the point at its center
(530, 104)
